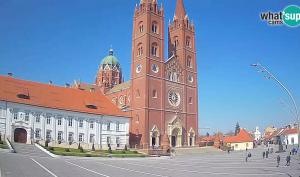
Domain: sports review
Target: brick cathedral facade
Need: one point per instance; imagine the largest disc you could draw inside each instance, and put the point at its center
(161, 97)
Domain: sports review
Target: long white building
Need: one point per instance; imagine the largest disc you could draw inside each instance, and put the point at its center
(31, 112)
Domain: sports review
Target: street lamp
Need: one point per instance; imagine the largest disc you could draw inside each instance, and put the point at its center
(269, 75)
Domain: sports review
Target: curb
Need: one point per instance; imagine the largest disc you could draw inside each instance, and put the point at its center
(9, 145)
(44, 150)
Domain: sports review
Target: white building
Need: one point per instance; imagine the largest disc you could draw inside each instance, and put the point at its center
(290, 136)
(31, 112)
(257, 134)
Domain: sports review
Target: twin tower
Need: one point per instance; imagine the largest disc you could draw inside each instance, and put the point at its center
(162, 96)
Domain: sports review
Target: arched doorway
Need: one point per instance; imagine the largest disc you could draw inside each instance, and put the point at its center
(176, 138)
(20, 135)
(191, 137)
(154, 135)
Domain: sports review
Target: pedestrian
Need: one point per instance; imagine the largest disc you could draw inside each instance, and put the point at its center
(288, 160)
(286, 146)
(228, 151)
(278, 160)
(246, 158)
(267, 154)
(264, 154)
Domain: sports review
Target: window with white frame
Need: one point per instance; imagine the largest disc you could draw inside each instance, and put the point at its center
(48, 135)
(48, 119)
(80, 123)
(117, 126)
(59, 121)
(92, 138)
(70, 121)
(118, 142)
(70, 137)
(26, 116)
(81, 137)
(91, 125)
(15, 116)
(37, 133)
(59, 136)
(37, 118)
(108, 126)
(108, 140)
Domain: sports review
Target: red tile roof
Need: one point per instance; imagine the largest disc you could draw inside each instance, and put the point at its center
(291, 131)
(56, 97)
(242, 136)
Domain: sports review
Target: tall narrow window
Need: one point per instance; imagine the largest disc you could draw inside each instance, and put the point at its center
(92, 138)
(70, 123)
(140, 50)
(189, 62)
(138, 95)
(27, 116)
(154, 28)
(190, 100)
(80, 123)
(108, 140)
(37, 133)
(70, 137)
(141, 27)
(38, 118)
(81, 137)
(176, 42)
(59, 121)
(188, 42)
(48, 119)
(92, 125)
(48, 135)
(154, 50)
(108, 126)
(118, 141)
(117, 126)
(59, 136)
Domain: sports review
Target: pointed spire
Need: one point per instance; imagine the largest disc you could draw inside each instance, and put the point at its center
(180, 10)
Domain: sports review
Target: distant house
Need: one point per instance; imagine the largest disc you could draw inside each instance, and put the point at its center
(291, 136)
(242, 141)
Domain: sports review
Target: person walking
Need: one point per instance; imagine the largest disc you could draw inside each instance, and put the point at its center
(264, 154)
(288, 160)
(278, 160)
(267, 154)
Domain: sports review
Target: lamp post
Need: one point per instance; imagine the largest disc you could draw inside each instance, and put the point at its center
(269, 75)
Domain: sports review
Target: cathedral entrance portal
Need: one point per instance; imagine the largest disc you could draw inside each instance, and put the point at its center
(175, 132)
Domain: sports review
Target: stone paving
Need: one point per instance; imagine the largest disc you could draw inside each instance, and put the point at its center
(208, 163)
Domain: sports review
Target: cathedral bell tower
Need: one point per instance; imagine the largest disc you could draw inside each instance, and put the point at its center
(109, 73)
(147, 72)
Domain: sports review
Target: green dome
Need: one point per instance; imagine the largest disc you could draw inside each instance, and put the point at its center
(110, 59)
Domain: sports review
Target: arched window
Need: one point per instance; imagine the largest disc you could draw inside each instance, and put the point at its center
(154, 50)
(189, 62)
(188, 42)
(176, 42)
(154, 28)
(141, 27)
(140, 50)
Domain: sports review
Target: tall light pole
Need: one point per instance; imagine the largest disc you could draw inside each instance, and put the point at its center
(270, 76)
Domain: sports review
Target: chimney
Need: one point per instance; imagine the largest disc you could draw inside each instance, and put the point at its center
(10, 74)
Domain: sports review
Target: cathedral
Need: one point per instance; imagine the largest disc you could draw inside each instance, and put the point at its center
(161, 96)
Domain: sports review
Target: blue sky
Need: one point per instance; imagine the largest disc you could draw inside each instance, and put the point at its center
(66, 40)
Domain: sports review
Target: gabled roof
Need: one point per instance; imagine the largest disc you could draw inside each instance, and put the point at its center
(241, 137)
(56, 97)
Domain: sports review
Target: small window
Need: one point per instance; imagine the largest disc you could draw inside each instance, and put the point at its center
(141, 27)
(59, 136)
(27, 116)
(91, 106)
(38, 118)
(80, 123)
(37, 133)
(81, 137)
(92, 138)
(155, 68)
(154, 94)
(138, 68)
(48, 120)
(154, 28)
(15, 115)
(176, 42)
(108, 126)
(48, 135)
(92, 125)
(154, 50)
(59, 121)
(117, 126)
(70, 137)
(190, 100)
(70, 122)
(190, 78)
(188, 42)
(189, 62)
(138, 95)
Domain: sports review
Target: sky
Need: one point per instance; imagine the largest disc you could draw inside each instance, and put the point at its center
(64, 40)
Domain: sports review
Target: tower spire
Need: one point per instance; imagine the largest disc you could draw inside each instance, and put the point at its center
(180, 10)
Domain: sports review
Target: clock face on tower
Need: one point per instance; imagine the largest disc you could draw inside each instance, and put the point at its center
(174, 98)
